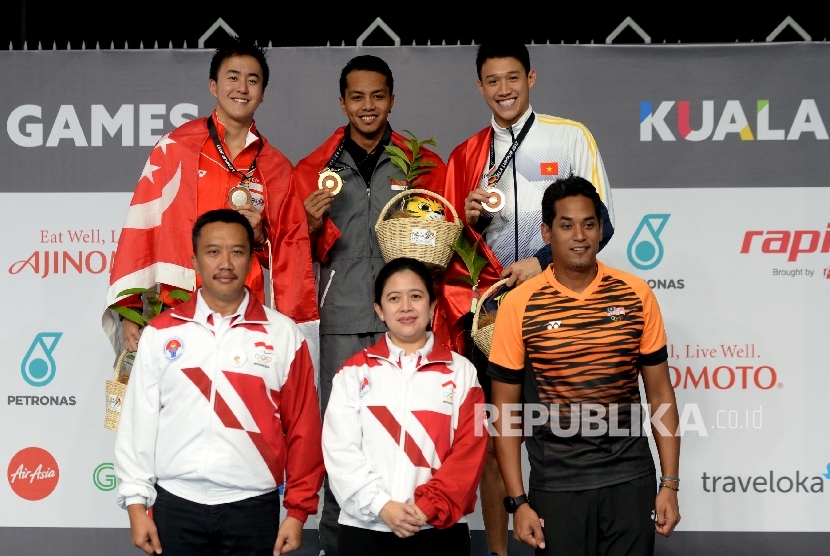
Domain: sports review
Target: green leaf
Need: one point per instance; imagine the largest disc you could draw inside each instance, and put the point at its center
(395, 151)
(473, 260)
(155, 307)
(181, 295)
(466, 279)
(137, 291)
(416, 173)
(130, 314)
(430, 141)
(400, 166)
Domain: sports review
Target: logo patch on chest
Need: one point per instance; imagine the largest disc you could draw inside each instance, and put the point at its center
(615, 313)
(173, 348)
(365, 386)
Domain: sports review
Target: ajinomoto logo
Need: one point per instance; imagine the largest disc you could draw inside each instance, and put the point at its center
(104, 477)
(38, 366)
(807, 121)
(33, 473)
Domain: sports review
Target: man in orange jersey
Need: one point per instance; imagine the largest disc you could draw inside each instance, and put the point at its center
(217, 162)
(517, 155)
(574, 340)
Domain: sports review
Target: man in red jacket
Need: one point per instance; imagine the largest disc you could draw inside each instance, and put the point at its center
(221, 161)
(342, 225)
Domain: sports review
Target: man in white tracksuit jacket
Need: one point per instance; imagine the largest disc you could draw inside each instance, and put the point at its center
(220, 410)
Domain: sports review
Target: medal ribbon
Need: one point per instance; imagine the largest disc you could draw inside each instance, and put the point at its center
(215, 136)
(331, 164)
(494, 174)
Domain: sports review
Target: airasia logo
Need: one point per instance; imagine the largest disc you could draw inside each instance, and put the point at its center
(724, 377)
(794, 243)
(33, 473)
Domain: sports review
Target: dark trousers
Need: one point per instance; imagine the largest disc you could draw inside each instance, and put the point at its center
(610, 521)
(244, 528)
(334, 350)
(454, 541)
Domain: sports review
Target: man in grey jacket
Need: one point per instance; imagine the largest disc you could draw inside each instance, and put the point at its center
(341, 221)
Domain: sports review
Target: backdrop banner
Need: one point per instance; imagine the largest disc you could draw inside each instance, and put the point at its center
(717, 155)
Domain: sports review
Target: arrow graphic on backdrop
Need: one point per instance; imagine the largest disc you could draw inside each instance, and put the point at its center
(645, 250)
(38, 366)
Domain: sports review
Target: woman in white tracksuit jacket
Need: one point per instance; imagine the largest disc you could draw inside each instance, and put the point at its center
(403, 442)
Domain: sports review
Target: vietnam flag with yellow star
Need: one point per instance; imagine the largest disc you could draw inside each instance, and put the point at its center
(549, 168)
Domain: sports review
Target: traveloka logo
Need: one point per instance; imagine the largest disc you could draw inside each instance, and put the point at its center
(38, 366)
(732, 120)
(103, 477)
(645, 250)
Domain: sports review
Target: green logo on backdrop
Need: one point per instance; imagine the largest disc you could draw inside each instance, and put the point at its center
(103, 477)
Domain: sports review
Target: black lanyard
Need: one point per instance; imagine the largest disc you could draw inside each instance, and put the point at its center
(494, 174)
(215, 136)
(331, 164)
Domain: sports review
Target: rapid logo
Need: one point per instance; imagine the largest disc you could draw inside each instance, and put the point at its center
(732, 120)
(38, 366)
(787, 242)
(33, 473)
(645, 250)
(103, 477)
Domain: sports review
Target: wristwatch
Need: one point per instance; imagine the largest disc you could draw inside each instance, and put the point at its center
(511, 504)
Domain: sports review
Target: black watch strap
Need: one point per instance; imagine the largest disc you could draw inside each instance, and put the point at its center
(511, 504)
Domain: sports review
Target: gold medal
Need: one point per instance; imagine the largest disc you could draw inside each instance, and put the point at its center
(495, 200)
(239, 196)
(330, 180)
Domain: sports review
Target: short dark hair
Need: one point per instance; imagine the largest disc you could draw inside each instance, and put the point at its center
(366, 63)
(568, 187)
(400, 265)
(227, 216)
(502, 49)
(237, 46)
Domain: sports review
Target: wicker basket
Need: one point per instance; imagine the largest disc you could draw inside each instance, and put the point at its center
(483, 338)
(429, 241)
(115, 392)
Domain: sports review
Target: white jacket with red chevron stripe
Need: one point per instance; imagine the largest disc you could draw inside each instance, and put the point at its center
(404, 430)
(216, 414)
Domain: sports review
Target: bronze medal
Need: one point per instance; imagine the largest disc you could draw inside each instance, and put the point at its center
(239, 196)
(495, 200)
(331, 181)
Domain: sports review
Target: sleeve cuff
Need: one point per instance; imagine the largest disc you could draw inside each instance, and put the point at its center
(503, 374)
(297, 514)
(379, 502)
(132, 500)
(654, 358)
(427, 507)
